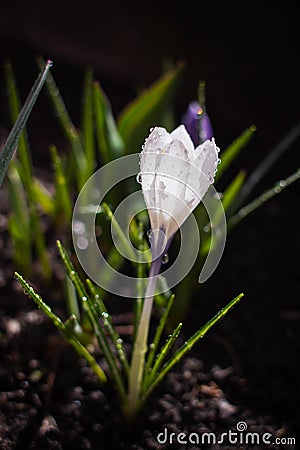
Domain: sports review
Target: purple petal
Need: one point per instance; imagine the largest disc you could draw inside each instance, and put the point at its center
(197, 123)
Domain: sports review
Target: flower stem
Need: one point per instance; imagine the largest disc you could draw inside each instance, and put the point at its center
(140, 345)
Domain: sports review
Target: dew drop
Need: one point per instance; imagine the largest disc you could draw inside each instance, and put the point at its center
(282, 183)
(149, 234)
(139, 178)
(104, 315)
(165, 259)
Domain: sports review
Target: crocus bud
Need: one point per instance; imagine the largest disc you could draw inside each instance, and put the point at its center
(197, 123)
(196, 119)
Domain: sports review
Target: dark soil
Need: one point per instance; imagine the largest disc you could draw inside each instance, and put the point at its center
(50, 400)
(245, 370)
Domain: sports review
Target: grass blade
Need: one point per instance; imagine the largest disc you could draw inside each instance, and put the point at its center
(148, 109)
(110, 143)
(14, 136)
(228, 198)
(88, 122)
(62, 199)
(162, 356)
(44, 197)
(189, 344)
(126, 245)
(15, 107)
(94, 321)
(72, 300)
(267, 195)
(69, 129)
(231, 152)
(158, 333)
(267, 163)
(232, 191)
(19, 222)
(108, 323)
(68, 335)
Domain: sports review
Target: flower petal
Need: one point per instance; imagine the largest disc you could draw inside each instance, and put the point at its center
(182, 135)
(206, 159)
(174, 176)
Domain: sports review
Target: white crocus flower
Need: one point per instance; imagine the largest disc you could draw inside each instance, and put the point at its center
(174, 176)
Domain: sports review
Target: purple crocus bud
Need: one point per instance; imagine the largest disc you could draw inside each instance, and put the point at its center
(196, 120)
(197, 123)
(190, 120)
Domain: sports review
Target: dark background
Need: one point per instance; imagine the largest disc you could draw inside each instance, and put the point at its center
(248, 53)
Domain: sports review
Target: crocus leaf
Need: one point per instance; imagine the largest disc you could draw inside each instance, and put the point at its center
(263, 198)
(232, 151)
(229, 195)
(62, 199)
(63, 328)
(44, 197)
(15, 108)
(283, 145)
(80, 166)
(187, 346)
(110, 143)
(148, 109)
(88, 122)
(14, 136)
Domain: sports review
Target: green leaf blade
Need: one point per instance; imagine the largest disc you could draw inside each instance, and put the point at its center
(148, 109)
(233, 150)
(110, 143)
(190, 343)
(9, 147)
